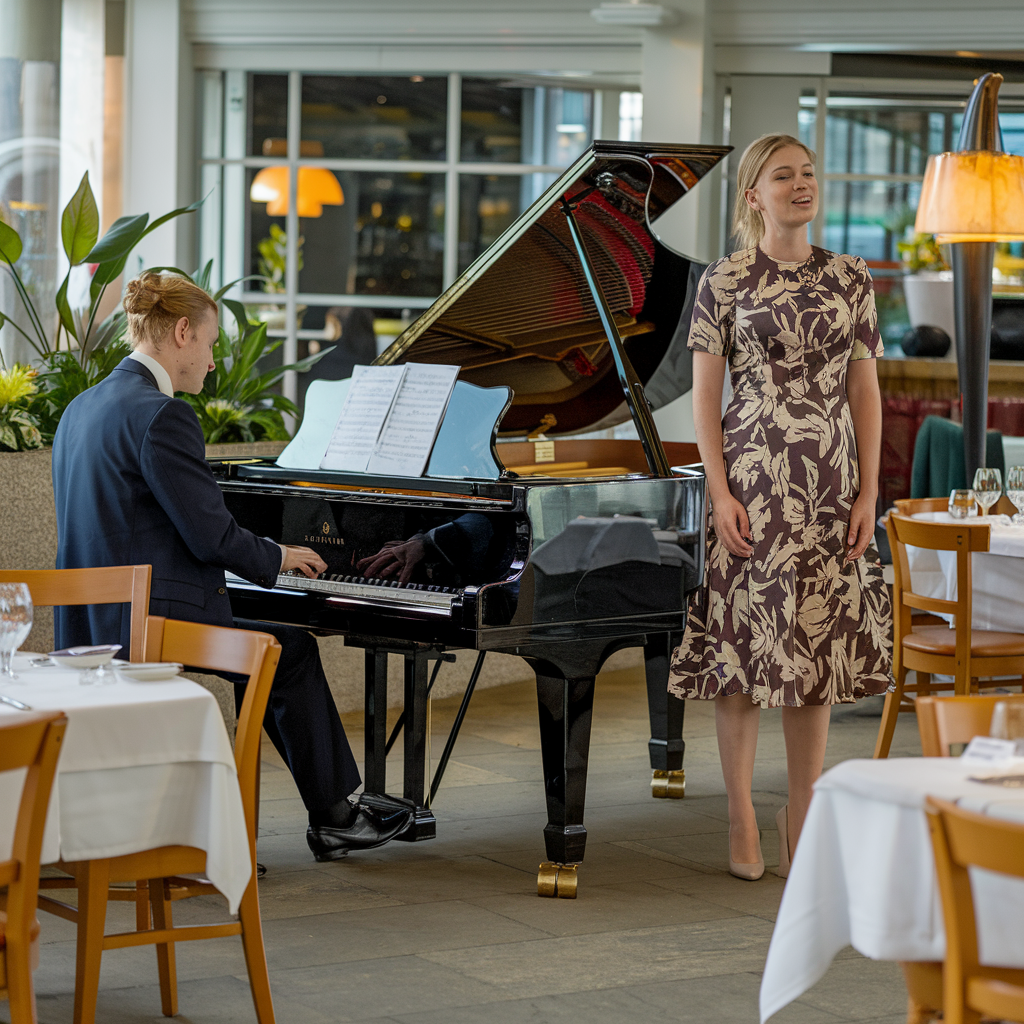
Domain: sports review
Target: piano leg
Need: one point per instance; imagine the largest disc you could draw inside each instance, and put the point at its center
(375, 760)
(424, 825)
(566, 710)
(668, 778)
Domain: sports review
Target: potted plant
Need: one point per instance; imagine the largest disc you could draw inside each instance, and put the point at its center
(928, 284)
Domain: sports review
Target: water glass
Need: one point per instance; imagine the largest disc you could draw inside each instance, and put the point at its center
(988, 485)
(1015, 491)
(1007, 720)
(961, 504)
(15, 623)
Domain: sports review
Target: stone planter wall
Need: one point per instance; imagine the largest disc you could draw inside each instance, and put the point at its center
(28, 540)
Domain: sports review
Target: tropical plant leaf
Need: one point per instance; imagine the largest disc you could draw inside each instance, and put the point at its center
(113, 326)
(120, 239)
(202, 276)
(170, 270)
(67, 318)
(221, 292)
(80, 223)
(174, 213)
(10, 243)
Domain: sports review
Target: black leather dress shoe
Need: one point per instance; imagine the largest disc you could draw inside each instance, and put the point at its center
(378, 820)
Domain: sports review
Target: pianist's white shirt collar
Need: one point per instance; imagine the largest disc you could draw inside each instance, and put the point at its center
(163, 378)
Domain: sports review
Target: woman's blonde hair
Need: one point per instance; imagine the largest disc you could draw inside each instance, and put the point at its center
(748, 224)
(156, 302)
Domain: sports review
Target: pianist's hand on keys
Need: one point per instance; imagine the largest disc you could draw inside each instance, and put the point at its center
(306, 560)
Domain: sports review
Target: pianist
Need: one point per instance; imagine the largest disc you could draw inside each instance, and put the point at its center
(132, 486)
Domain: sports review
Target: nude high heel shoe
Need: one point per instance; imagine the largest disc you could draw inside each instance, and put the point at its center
(748, 872)
(782, 824)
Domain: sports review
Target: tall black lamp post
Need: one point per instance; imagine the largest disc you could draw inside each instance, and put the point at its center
(974, 198)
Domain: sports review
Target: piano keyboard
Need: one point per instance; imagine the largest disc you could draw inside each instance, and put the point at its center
(385, 593)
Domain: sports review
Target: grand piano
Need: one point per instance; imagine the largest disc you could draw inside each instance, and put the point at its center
(518, 538)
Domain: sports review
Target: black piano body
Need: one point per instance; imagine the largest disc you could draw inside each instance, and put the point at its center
(558, 550)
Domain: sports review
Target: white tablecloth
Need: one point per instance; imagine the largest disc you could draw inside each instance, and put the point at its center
(143, 765)
(863, 875)
(998, 575)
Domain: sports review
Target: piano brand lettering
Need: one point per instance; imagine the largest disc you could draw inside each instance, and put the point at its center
(323, 537)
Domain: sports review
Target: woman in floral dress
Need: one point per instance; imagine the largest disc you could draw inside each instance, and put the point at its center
(793, 612)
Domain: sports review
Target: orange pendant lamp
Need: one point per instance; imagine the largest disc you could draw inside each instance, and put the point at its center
(317, 188)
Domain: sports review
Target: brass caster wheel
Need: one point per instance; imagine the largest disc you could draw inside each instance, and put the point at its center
(557, 880)
(671, 785)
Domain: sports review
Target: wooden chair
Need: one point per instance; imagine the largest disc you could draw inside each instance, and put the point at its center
(116, 584)
(943, 721)
(961, 839)
(966, 654)
(217, 649)
(31, 742)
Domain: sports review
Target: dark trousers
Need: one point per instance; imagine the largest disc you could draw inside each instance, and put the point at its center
(302, 719)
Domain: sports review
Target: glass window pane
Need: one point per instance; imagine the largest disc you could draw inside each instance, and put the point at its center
(868, 218)
(382, 118)
(488, 204)
(268, 115)
(880, 139)
(492, 120)
(569, 125)
(386, 238)
(1012, 125)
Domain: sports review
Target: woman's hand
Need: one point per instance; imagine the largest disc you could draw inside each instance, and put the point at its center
(862, 527)
(732, 525)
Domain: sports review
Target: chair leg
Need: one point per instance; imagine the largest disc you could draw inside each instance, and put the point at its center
(891, 711)
(142, 906)
(160, 903)
(93, 880)
(924, 684)
(255, 954)
(20, 993)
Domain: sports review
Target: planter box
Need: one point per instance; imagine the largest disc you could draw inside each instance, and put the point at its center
(929, 298)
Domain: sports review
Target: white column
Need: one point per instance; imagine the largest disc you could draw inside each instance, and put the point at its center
(677, 82)
(159, 154)
(82, 51)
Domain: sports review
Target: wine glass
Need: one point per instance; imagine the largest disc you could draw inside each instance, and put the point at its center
(961, 504)
(988, 485)
(1015, 491)
(15, 623)
(1007, 721)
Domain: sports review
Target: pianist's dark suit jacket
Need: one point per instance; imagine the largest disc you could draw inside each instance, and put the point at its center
(132, 487)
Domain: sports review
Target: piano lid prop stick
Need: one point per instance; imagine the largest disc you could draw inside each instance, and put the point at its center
(636, 400)
(454, 734)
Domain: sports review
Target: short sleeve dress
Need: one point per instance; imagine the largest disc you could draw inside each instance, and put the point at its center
(794, 624)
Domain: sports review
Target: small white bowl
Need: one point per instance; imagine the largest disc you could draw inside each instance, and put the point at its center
(85, 657)
(150, 671)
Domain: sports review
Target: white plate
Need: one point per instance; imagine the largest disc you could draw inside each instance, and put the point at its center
(85, 657)
(150, 671)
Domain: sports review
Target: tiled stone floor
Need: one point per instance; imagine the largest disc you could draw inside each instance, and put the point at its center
(452, 931)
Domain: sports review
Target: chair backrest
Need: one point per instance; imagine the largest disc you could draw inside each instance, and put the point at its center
(32, 742)
(961, 839)
(911, 506)
(943, 721)
(113, 584)
(222, 649)
(964, 538)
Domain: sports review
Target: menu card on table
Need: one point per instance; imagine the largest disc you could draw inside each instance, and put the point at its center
(390, 419)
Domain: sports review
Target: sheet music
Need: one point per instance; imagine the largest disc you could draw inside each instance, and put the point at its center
(369, 400)
(414, 420)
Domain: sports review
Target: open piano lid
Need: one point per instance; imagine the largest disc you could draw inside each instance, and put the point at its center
(523, 316)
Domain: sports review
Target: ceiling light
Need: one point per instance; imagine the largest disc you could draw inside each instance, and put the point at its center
(636, 14)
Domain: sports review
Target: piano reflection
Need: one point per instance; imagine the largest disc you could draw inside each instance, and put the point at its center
(518, 538)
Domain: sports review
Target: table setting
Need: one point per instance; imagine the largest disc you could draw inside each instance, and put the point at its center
(146, 762)
(863, 874)
(998, 574)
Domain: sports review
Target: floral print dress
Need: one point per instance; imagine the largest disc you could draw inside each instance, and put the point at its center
(793, 624)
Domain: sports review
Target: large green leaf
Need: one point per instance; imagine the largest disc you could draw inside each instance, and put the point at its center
(10, 243)
(174, 213)
(67, 318)
(123, 236)
(80, 223)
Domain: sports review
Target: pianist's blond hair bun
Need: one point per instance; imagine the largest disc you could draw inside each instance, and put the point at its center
(156, 302)
(747, 224)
